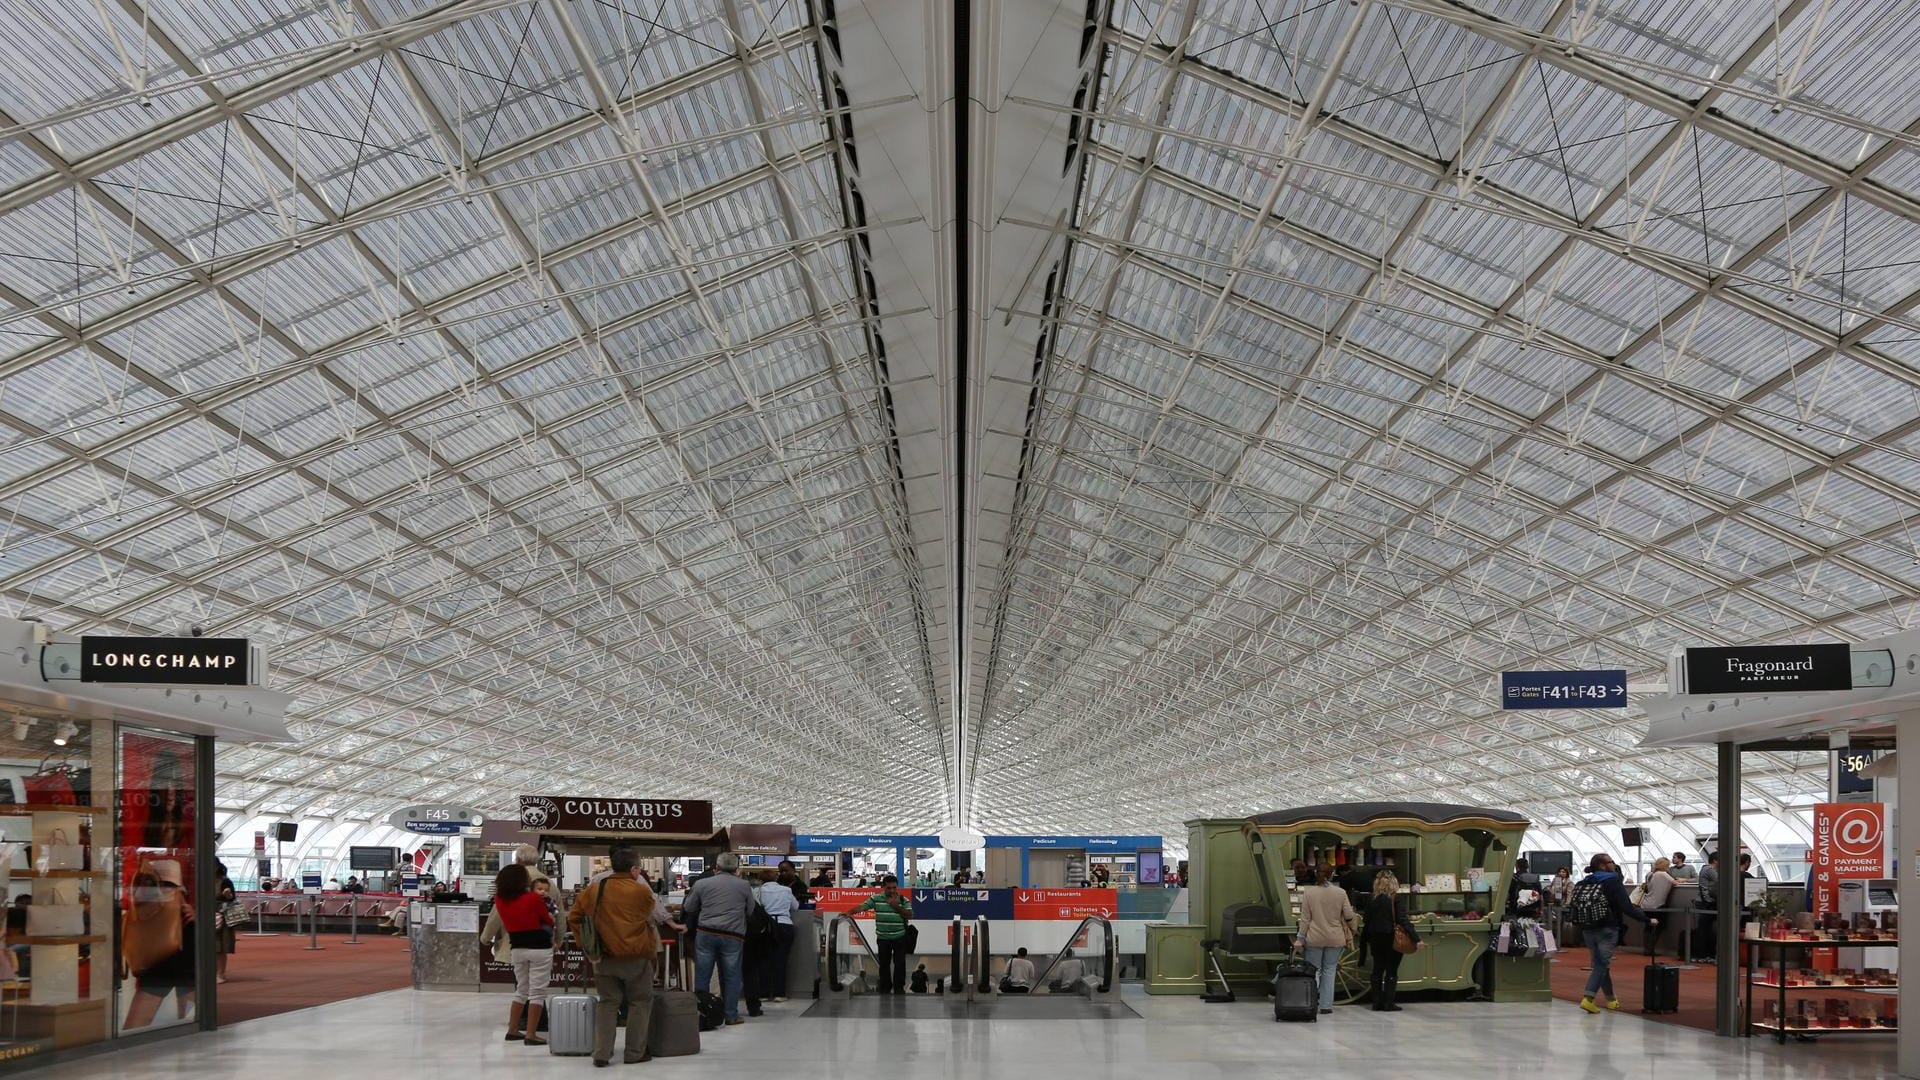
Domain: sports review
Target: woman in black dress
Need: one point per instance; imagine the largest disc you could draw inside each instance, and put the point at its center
(1386, 910)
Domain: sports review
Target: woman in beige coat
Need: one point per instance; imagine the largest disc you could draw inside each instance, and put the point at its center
(1326, 928)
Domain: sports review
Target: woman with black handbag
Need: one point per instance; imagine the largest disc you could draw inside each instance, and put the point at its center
(1389, 935)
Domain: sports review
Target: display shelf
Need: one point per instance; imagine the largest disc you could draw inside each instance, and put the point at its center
(66, 939)
(1781, 990)
(1793, 989)
(23, 809)
(1827, 943)
(62, 874)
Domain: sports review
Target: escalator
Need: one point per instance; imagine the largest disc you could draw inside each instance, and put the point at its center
(971, 992)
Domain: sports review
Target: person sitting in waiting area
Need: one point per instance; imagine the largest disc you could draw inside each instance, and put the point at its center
(1071, 970)
(1019, 976)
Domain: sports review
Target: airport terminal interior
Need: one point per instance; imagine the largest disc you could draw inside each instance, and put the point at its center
(1104, 538)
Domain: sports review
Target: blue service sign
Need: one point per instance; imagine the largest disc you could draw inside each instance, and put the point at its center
(966, 903)
(1606, 689)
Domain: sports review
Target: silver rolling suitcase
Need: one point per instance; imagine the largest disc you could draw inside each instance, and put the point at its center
(570, 1024)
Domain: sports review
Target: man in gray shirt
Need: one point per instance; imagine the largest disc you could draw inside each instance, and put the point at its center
(716, 910)
(1706, 906)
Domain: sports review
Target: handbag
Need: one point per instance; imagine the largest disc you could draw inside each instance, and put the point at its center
(153, 929)
(1403, 942)
(56, 920)
(52, 786)
(59, 853)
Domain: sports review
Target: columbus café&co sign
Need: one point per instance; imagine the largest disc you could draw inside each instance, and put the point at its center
(658, 817)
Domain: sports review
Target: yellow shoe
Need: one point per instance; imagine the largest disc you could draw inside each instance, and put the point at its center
(1587, 1004)
(1614, 1005)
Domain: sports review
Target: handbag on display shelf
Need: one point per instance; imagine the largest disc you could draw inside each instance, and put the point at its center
(51, 786)
(46, 918)
(59, 852)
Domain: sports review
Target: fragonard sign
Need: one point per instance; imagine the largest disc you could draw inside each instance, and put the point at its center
(572, 814)
(1779, 669)
(1849, 843)
(180, 661)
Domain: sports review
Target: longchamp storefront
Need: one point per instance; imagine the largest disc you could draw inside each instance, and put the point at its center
(106, 832)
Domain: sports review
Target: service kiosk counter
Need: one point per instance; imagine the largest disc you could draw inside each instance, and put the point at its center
(1452, 862)
(106, 832)
(575, 835)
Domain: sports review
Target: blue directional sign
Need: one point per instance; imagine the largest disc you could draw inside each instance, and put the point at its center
(966, 903)
(1564, 689)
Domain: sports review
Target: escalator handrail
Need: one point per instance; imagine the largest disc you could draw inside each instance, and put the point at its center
(1110, 953)
(958, 965)
(983, 954)
(833, 946)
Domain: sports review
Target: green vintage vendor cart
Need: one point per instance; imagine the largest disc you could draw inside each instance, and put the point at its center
(1453, 862)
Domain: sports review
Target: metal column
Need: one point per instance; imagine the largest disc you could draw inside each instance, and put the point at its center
(1726, 975)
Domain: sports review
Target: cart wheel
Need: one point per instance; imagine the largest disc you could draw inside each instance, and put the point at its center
(1350, 981)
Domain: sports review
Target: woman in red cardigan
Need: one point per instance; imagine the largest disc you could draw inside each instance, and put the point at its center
(529, 925)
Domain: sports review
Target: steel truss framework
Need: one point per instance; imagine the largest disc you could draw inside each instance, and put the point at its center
(517, 370)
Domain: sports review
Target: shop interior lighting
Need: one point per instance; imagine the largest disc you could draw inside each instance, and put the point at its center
(21, 725)
(65, 731)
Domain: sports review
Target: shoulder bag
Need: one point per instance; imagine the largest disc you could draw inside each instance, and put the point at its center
(153, 929)
(589, 935)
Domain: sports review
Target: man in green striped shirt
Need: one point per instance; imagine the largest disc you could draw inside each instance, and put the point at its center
(891, 910)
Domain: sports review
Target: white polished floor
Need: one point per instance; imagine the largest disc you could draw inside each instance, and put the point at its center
(405, 1033)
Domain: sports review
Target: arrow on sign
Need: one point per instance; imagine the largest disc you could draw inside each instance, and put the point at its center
(920, 896)
(1022, 897)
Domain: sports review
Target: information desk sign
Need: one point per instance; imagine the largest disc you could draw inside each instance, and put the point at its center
(409, 884)
(1777, 669)
(1605, 689)
(310, 883)
(1064, 903)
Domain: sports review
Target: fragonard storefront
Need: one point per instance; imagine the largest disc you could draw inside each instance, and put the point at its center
(113, 900)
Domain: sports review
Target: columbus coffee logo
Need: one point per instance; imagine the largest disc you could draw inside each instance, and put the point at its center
(537, 812)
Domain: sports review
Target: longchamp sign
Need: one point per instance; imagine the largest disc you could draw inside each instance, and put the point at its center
(573, 814)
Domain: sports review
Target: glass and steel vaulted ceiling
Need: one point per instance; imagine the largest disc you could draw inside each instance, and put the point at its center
(564, 389)
(1391, 345)
(503, 366)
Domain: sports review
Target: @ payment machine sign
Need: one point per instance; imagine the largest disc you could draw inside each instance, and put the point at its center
(1849, 843)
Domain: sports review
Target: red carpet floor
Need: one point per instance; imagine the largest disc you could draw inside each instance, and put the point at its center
(272, 975)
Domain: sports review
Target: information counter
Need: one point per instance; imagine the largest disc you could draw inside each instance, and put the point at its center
(446, 945)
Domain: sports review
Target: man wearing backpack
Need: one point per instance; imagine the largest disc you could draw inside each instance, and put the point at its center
(1600, 909)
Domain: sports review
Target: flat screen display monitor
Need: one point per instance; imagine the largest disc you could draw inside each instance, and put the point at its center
(1149, 868)
(372, 858)
(1548, 863)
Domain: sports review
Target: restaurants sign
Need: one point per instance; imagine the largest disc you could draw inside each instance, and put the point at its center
(1778, 669)
(176, 661)
(574, 814)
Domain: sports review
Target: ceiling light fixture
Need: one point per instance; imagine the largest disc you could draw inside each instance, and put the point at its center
(65, 731)
(21, 725)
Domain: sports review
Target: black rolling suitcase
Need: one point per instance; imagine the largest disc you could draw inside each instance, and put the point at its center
(1296, 992)
(1661, 992)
